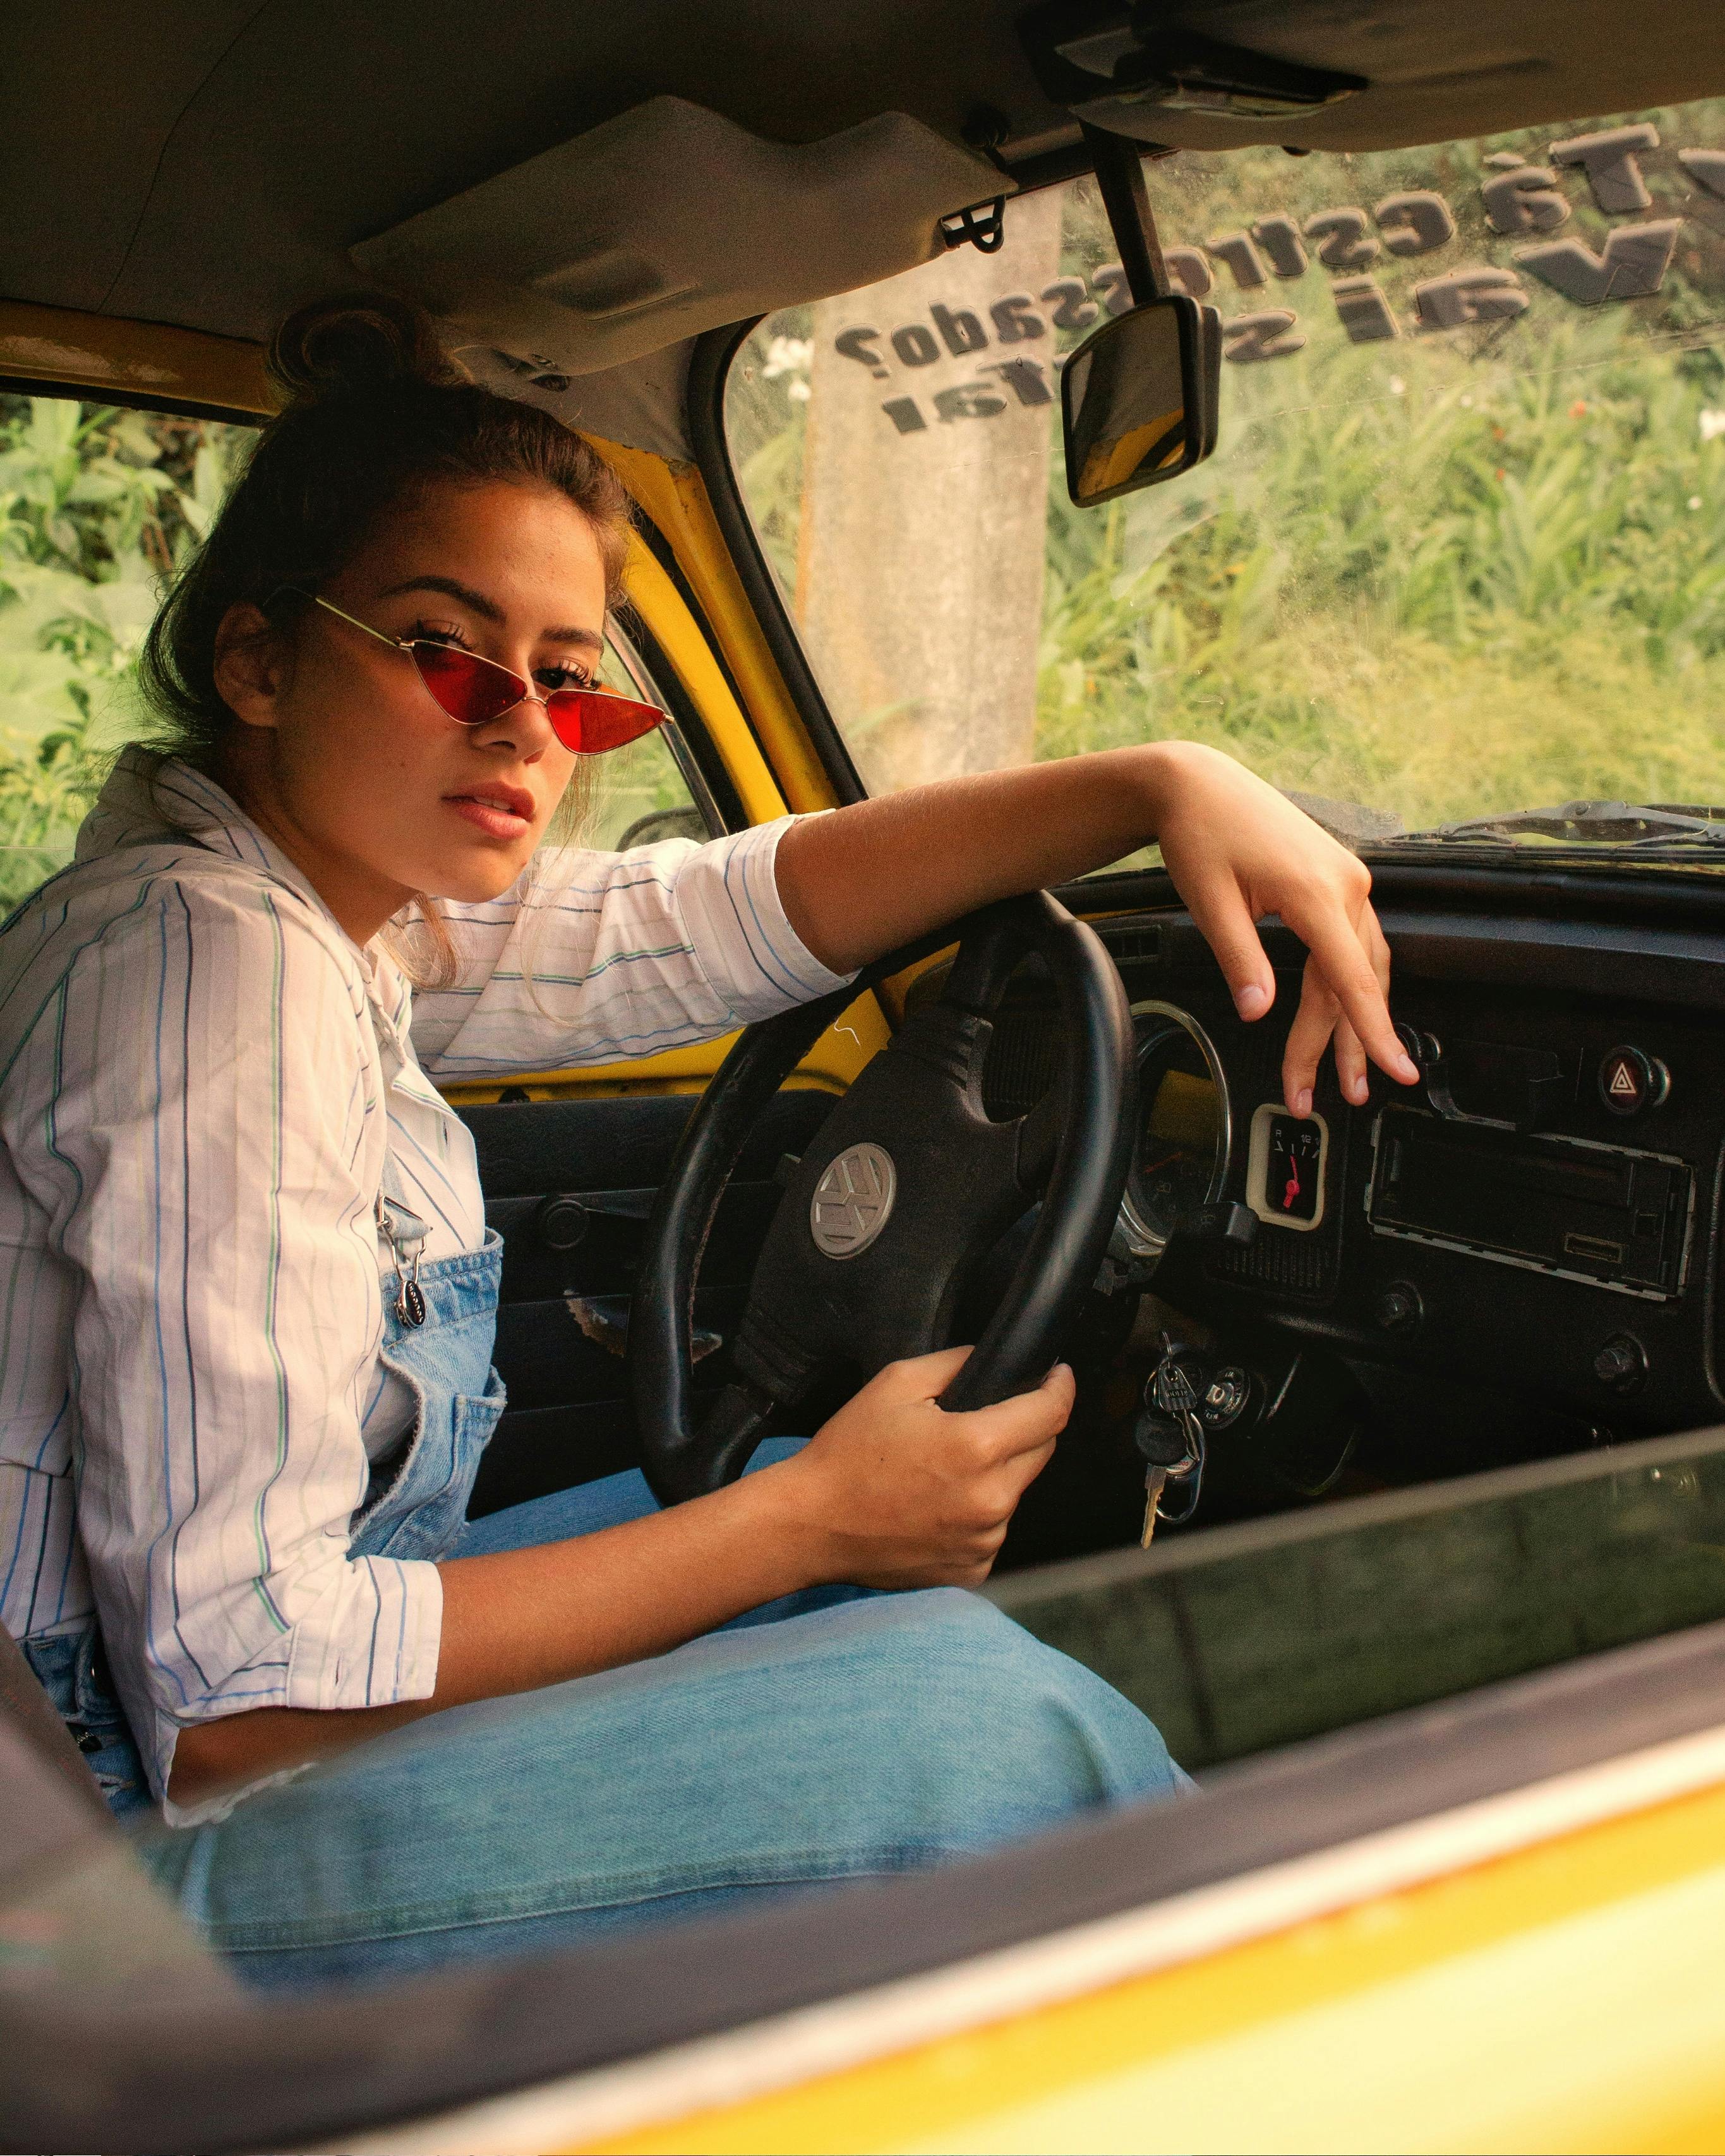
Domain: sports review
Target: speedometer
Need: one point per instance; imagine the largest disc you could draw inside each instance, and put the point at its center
(1180, 1155)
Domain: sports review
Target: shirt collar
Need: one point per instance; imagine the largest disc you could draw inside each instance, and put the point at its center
(151, 799)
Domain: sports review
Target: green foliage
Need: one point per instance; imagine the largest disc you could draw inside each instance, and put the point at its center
(1495, 586)
(96, 506)
(1442, 574)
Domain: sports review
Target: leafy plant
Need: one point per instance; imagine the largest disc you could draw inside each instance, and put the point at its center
(96, 506)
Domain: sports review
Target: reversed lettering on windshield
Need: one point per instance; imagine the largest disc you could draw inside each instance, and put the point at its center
(1455, 573)
(1414, 263)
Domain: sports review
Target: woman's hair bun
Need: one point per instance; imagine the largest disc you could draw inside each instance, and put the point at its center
(342, 347)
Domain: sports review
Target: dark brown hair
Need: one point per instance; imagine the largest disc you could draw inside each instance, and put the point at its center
(374, 411)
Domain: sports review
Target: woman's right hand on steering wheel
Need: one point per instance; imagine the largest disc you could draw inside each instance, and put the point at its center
(896, 1493)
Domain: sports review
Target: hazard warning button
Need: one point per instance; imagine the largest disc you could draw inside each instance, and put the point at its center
(1630, 1080)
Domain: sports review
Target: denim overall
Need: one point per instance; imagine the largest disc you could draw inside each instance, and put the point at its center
(439, 1323)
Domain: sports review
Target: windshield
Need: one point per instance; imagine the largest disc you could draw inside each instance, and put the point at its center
(1462, 549)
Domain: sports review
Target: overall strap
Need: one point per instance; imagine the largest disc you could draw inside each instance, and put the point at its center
(406, 1233)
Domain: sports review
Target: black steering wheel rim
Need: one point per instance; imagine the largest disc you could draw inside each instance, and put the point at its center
(684, 1456)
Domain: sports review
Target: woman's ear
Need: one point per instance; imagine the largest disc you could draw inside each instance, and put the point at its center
(250, 664)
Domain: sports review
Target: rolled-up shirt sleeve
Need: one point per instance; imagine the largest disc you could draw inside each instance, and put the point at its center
(598, 957)
(196, 1111)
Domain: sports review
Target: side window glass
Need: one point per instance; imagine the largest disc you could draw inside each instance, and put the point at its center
(96, 506)
(653, 788)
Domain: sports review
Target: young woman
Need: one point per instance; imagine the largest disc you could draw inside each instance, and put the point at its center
(250, 1296)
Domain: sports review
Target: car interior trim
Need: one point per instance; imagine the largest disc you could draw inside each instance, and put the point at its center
(830, 1065)
(714, 354)
(710, 713)
(59, 351)
(677, 500)
(665, 555)
(542, 245)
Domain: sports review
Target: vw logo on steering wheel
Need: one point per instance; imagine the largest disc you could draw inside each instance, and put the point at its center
(853, 1201)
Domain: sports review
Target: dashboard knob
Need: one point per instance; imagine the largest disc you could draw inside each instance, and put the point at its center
(1621, 1364)
(1398, 1309)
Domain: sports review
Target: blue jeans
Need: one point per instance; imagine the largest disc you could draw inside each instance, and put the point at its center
(837, 1734)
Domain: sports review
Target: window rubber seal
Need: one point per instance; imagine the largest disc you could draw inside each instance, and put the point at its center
(702, 751)
(121, 397)
(709, 367)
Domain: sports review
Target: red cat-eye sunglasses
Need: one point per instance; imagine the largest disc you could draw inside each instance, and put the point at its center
(473, 691)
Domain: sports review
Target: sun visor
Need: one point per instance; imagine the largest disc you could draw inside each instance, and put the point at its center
(670, 220)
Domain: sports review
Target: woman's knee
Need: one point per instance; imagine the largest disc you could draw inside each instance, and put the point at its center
(994, 1734)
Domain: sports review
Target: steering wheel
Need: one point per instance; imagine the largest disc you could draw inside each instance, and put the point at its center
(904, 1186)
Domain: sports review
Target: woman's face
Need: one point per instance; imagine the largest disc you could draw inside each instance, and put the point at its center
(344, 756)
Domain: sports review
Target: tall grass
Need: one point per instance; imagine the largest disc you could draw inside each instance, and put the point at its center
(1489, 587)
(1444, 575)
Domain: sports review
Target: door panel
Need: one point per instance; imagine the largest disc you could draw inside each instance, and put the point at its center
(568, 1185)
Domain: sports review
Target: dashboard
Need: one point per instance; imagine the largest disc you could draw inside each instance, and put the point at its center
(1520, 1252)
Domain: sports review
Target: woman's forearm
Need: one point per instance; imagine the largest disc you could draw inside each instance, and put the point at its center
(860, 882)
(519, 1619)
(866, 879)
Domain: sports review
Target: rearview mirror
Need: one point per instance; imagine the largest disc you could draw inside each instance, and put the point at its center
(1139, 397)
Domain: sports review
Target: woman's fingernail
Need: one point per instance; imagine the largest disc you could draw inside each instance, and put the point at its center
(1357, 1090)
(1251, 1002)
(1301, 1103)
(1407, 1071)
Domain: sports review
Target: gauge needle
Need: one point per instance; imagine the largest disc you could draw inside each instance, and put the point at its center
(1164, 1162)
(1293, 1189)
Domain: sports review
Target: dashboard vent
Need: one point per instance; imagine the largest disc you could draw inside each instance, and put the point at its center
(1297, 1264)
(1141, 945)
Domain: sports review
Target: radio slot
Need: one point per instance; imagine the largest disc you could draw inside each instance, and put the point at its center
(1604, 1214)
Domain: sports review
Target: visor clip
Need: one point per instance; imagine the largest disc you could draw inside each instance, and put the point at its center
(983, 225)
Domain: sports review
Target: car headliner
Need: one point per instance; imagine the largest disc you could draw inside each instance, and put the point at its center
(211, 165)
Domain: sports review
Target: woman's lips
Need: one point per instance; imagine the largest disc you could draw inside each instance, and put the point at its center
(499, 812)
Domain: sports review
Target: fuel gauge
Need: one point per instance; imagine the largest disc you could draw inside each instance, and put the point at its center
(1286, 1167)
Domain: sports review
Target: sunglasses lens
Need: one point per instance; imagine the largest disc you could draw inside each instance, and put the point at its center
(472, 690)
(590, 720)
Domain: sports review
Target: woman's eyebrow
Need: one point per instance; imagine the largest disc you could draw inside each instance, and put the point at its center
(452, 588)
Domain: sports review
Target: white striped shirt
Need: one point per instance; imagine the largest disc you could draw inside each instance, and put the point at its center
(197, 1068)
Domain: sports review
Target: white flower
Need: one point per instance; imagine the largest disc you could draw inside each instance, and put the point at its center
(787, 356)
(1713, 424)
(799, 393)
(1397, 387)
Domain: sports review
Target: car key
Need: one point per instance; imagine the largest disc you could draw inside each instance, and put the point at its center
(1165, 1444)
